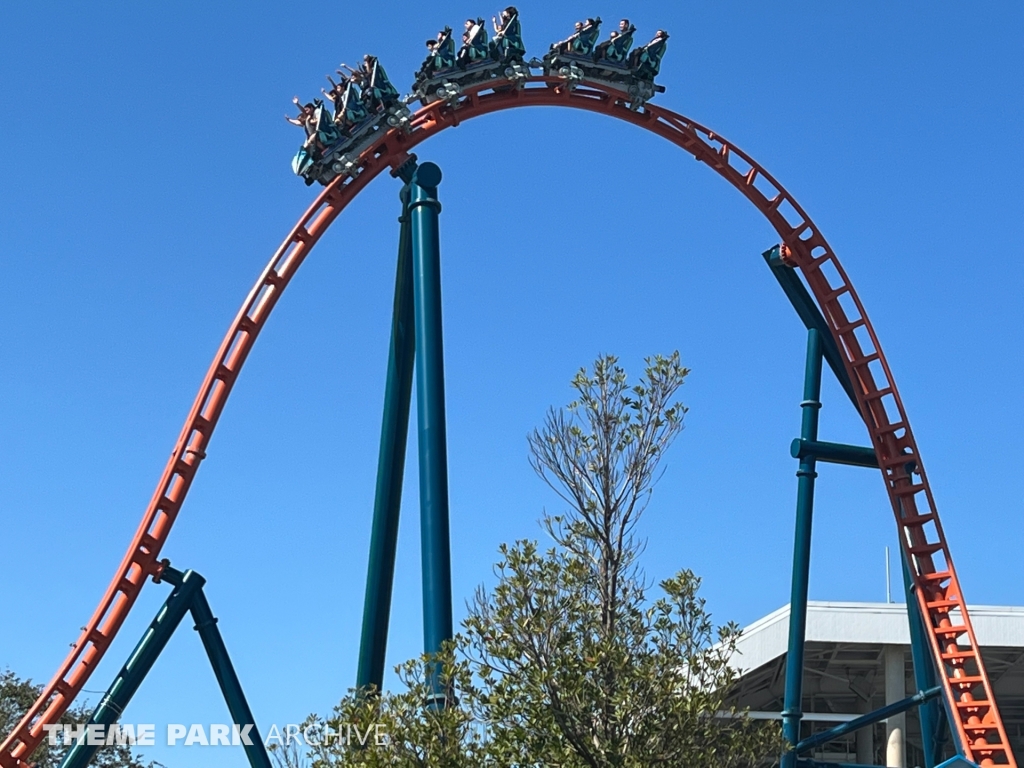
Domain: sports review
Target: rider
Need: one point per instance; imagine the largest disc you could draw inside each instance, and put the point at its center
(474, 43)
(507, 45)
(566, 46)
(441, 54)
(616, 48)
(378, 92)
(348, 102)
(315, 119)
(305, 117)
(582, 40)
(587, 39)
(336, 94)
(646, 60)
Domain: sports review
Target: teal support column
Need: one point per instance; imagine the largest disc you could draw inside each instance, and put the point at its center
(930, 713)
(146, 652)
(433, 458)
(241, 715)
(390, 468)
(791, 713)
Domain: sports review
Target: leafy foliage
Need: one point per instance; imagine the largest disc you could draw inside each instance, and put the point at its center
(399, 729)
(17, 695)
(567, 662)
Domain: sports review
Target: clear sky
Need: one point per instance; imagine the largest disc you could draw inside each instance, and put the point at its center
(145, 181)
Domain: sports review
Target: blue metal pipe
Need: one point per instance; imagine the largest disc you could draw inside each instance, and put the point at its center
(134, 671)
(390, 468)
(930, 713)
(870, 718)
(433, 458)
(791, 713)
(834, 453)
(241, 715)
(800, 298)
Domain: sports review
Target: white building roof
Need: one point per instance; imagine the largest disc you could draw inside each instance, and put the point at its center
(868, 623)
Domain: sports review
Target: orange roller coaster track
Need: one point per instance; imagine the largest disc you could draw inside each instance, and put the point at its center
(968, 692)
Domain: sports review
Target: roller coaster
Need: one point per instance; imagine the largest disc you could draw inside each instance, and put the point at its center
(954, 691)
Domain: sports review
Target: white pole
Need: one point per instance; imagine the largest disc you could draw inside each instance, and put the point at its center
(888, 579)
(895, 690)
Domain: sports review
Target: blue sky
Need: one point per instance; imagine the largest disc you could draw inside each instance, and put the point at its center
(145, 181)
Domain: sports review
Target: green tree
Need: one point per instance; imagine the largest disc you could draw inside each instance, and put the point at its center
(579, 667)
(17, 695)
(567, 661)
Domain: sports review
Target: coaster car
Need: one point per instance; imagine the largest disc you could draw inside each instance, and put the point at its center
(445, 73)
(580, 59)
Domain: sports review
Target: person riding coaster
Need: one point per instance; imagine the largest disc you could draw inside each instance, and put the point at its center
(645, 61)
(440, 56)
(507, 45)
(364, 98)
(616, 48)
(315, 119)
(349, 110)
(378, 93)
(574, 52)
(474, 44)
(582, 41)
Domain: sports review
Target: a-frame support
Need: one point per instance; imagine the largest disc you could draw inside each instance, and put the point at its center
(416, 343)
(187, 596)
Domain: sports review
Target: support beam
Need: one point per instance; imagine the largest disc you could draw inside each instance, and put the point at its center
(834, 453)
(931, 713)
(808, 311)
(865, 738)
(433, 453)
(394, 434)
(241, 715)
(888, 711)
(792, 710)
(957, 762)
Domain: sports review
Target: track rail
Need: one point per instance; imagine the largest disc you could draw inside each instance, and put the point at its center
(969, 697)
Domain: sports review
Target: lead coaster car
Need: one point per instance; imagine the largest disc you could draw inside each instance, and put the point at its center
(576, 68)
